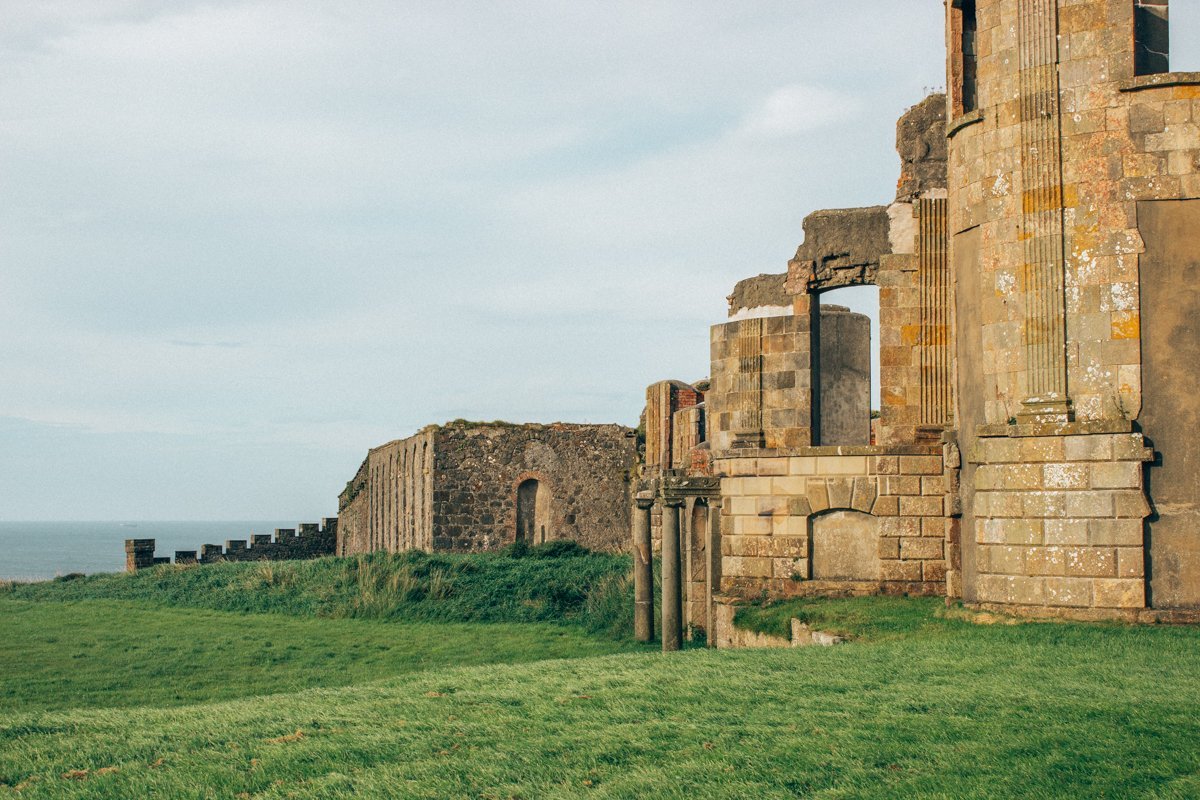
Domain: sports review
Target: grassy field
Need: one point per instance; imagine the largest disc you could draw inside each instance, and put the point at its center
(106, 653)
(919, 704)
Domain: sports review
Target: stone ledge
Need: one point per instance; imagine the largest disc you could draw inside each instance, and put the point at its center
(1142, 82)
(831, 450)
(1140, 616)
(965, 121)
(1097, 426)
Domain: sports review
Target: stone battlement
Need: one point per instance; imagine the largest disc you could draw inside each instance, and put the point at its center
(308, 540)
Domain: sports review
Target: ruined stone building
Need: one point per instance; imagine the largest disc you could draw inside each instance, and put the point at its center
(470, 486)
(1038, 275)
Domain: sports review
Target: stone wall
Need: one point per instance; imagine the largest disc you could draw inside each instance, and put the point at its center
(583, 471)
(1059, 521)
(663, 400)
(761, 392)
(354, 513)
(844, 387)
(813, 507)
(309, 540)
(400, 494)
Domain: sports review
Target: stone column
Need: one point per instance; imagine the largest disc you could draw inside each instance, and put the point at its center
(672, 608)
(712, 570)
(643, 572)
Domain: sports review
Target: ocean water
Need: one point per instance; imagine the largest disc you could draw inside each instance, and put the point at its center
(42, 550)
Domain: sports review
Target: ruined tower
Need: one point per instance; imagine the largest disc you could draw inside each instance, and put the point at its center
(1074, 206)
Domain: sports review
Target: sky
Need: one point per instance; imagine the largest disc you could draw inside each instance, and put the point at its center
(241, 242)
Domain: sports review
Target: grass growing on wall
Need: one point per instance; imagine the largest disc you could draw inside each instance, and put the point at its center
(558, 582)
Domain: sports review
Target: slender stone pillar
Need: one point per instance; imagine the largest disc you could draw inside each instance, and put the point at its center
(643, 572)
(712, 570)
(672, 598)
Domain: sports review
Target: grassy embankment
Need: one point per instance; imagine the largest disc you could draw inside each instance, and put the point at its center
(921, 703)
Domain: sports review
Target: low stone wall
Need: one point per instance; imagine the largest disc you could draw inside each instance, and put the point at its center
(728, 635)
(310, 540)
(837, 521)
(1059, 522)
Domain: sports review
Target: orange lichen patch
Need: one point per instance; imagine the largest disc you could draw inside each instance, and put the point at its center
(892, 396)
(1047, 199)
(1126, 325)
(1186, 93)
(910, 335)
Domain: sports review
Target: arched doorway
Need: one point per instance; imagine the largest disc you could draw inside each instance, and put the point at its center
(533, 512)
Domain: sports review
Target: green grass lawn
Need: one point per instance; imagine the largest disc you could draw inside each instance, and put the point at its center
(919, 704)
(96, 653)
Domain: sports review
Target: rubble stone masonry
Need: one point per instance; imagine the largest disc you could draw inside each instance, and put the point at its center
(461, 487)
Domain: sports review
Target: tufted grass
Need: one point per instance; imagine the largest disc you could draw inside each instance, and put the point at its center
(558, 583)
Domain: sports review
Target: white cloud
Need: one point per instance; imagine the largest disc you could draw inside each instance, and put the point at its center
(797, 109)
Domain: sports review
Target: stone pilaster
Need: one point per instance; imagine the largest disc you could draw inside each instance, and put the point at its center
(1046, 396)
(934, 278)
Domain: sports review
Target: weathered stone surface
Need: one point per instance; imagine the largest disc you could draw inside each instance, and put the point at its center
(845, 546)
(921, 143)
(470, 486)
(768, 292)
(842, 247)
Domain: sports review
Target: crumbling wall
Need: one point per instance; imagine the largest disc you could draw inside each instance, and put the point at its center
(309, 540)
(354, 514)
(584, 470)
(921, 143)
(400, 494)
(760, 296)
(663, 400)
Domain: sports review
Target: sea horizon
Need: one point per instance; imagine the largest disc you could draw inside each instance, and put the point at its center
(34, 550)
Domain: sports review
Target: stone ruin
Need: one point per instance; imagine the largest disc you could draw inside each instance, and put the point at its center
(1039, 369)
(1033, 452)
(470, 487)
(311, 540)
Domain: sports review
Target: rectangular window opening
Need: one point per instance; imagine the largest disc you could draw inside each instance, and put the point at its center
(845, 366)
(964, 32)
(1151, 37)
(970, 30)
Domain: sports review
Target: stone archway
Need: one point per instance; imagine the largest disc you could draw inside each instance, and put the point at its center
(533, 512)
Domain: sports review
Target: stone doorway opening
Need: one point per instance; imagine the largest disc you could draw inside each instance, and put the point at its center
(533, 512)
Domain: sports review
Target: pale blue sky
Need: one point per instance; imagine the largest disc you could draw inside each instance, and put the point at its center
(242, 242)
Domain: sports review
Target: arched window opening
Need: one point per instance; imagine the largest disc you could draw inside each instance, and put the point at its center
(533, 513)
